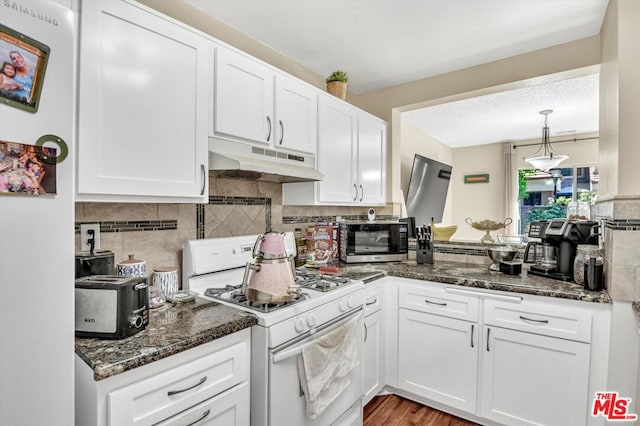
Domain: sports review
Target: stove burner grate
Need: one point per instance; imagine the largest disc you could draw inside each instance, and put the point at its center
(320, 282)
(233, 294)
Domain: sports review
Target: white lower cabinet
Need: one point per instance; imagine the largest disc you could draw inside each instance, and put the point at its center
(374, 343)
(528, 379)
(205, 385)
(438, 344)
(437, 358)
(226, 409)
(501, 358)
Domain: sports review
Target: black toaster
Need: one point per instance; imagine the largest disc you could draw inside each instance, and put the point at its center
(111, 306)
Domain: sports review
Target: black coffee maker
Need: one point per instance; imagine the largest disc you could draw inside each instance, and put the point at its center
(565, 235)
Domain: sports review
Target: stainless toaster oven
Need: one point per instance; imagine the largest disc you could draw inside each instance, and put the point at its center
(111, 306)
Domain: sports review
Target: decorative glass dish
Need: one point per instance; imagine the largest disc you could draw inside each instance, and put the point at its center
(181, 296)
(515, 241)
(488, 225)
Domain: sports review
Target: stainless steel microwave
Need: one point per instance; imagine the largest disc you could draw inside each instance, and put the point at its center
(379, 241)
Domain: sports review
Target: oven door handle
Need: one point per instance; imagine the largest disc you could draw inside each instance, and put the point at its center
(297, 350)
(281, 356)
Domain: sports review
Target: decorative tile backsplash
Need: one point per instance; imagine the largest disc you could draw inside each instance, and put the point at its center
(620, 220)
(132, 226)
(155, 232)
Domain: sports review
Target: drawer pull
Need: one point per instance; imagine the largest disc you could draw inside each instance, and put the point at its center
(534, 320)
(434, 303)
(204, 416)
(171, 393)
(373, 302)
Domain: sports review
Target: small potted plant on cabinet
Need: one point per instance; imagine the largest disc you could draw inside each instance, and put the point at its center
(337, 84)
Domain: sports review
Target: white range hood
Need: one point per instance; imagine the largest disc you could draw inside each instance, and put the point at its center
(242, 161)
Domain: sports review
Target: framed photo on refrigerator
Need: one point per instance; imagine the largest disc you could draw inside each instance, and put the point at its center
(23, 170)
(23, 62)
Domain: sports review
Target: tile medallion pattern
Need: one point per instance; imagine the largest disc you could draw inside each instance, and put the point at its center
(227, 216)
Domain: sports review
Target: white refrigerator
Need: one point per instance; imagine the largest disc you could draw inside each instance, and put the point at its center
(37, 232)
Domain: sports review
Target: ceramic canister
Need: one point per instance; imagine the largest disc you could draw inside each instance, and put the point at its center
(132, 267)
(166, 279)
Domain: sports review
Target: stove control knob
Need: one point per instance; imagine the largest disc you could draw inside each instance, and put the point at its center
(351, 302)
(299, 325)
(311, 320)
(343, 306)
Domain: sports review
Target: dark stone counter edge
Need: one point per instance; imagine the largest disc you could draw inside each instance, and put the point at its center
(105, 371)
(594, 297)
(636, 310)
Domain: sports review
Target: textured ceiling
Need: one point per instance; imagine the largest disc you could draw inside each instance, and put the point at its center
(513, 115)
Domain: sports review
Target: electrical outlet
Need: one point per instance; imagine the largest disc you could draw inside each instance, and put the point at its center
(85, 236)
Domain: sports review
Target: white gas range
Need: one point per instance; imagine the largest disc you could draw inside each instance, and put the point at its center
(214, 269)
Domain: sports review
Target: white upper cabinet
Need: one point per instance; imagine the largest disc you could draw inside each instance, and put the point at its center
(257, 104)
(296, 115)
(243, 97)
(351, 155)
(144, 84)
(371, 159)
(337, 151)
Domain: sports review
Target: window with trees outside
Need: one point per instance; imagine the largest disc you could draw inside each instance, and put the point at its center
(557, 193)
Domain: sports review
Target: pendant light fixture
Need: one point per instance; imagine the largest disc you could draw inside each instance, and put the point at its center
(548, 158)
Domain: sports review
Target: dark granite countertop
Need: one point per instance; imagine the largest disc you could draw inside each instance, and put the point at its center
(474, 275)
(172, 329)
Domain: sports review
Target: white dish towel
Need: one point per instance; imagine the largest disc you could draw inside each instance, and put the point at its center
(325, 364)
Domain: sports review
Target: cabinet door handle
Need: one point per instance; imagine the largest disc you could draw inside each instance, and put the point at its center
(373, 302)
(281, 131)
(356, 188)
(204, 416)
(203, 173)
(269, 134)
(171, 393)
(534, 320)
(488, 334)
(472, 328)
(434, 303)
(361, 193)
(366, 331)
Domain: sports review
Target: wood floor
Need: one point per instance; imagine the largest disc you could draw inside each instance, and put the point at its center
(393, 410)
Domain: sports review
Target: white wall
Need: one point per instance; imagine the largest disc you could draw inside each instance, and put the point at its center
(478, 201)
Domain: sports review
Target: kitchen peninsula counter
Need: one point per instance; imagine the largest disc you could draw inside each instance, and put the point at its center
(171, 329)
(474, 275)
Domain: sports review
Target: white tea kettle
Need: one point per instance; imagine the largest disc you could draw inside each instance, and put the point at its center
(271, 278)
